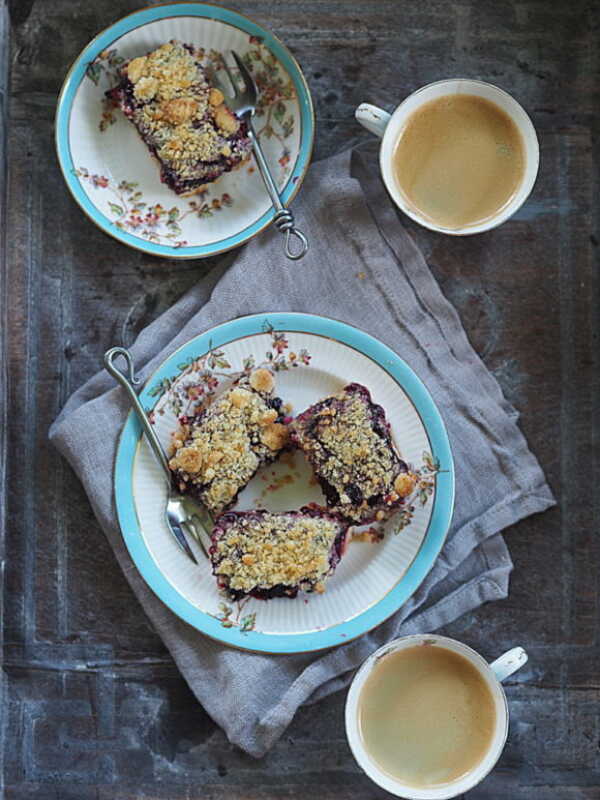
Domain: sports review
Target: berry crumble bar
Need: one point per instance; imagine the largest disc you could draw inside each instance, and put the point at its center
(266, 554)
(347, 440)
(217, 451)
(183, 121)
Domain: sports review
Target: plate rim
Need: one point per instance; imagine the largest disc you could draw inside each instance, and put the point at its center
(130, 22)
(435, 536)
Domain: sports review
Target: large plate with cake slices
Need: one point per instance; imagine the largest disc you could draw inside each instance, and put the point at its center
(384, 563)
(110, 170)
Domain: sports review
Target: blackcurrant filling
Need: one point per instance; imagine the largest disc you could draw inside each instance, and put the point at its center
(195, 141)
(347, 439)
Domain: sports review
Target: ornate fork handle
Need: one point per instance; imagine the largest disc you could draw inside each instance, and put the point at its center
(283, 219)
(128, 381)
(244, 106)
(176, 520)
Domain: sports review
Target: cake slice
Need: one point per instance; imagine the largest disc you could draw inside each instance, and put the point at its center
(266, 554)
(347, 440)
(183, 121)
(218, 451)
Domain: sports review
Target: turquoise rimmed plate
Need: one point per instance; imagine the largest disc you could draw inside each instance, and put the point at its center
(312, 357)
(109, 170)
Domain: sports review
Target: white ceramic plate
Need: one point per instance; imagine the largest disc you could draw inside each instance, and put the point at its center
(312, 357)
(110, 171)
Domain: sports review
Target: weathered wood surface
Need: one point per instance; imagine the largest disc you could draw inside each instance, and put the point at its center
(94, 706)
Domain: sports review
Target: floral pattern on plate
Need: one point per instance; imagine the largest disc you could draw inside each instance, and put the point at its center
(152, 222)
(200, 379)
(93, 136)
(230, 617)
(373, 579)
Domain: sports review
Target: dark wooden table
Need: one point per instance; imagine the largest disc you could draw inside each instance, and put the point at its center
(93, 705)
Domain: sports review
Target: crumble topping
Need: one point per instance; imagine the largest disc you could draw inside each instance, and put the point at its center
(262, 380)
(179, 110)
(185, 142)
(179, 115)
(404, 484)
(345, 437)
(171, 68)
(351, 450)
(146, 88)
(225, 119)
(274, 435)
(269, 550)
(135, 68)
(221, 450)
(215, 97)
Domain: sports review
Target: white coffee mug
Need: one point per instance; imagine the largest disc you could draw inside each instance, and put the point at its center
(388, 128)
(492, 674)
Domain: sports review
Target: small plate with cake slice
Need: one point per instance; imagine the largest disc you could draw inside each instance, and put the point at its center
(148, 146)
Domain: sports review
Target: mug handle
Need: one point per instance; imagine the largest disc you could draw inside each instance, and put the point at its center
(508, 663)
(372, 118)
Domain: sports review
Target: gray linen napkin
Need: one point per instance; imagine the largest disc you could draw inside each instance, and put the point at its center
(353, 229)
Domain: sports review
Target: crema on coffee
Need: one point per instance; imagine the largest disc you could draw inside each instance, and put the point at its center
(426, 715)
(459, 160)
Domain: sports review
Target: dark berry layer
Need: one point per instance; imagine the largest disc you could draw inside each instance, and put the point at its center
(265, 554)
(347, 440)
(183, 121)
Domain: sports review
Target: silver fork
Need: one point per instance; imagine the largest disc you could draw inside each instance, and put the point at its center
(183, 515)
(243, 105)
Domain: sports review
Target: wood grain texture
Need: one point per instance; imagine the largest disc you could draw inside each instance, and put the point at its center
(94, 706)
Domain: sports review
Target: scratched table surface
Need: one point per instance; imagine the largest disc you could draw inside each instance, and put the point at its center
(94, 706)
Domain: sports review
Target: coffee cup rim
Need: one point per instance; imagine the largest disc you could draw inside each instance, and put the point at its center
(389, 783)
(521, 119)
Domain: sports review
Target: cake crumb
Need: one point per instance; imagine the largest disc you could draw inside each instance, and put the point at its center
(262, 380)
(404, 484)
(278, 483)
(371, 535)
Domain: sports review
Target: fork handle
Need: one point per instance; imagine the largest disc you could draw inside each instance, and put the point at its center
(283, 219)
(128, 382)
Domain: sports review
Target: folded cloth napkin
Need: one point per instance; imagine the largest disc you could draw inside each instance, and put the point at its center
(365, 269)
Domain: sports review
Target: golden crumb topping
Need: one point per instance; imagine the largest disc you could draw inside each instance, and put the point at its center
(404, 484)
(215, 97)
(146, 88)
(225, 120)
(178, 113)
(275, 549)
(355, 451)
(180, 110)
(185, 142)
(222, 451)
(262, 380)
(135, 69)
(171, 67)
(352, 457)
(274, 435)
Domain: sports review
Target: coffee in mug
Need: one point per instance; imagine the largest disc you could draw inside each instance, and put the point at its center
(458, 156)
(459, 160)
(426, 716)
